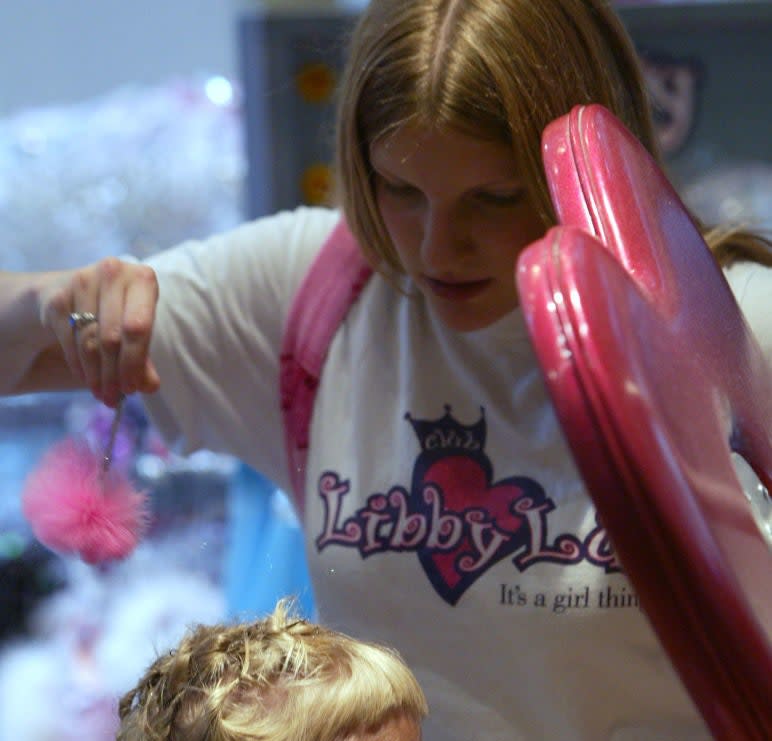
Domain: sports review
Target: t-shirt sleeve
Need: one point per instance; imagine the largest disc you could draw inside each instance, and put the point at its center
(217, 336)
(752, 287)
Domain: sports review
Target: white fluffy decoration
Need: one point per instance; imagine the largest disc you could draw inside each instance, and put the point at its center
(94, 640)
(132, 172)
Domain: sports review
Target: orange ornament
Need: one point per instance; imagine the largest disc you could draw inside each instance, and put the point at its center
(316, 185)
(315, 82)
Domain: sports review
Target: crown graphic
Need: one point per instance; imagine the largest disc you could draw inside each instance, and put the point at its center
(446, 433)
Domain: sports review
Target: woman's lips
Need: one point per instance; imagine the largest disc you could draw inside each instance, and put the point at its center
(456, 290)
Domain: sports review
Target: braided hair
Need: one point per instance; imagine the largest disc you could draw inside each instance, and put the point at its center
(281, 678)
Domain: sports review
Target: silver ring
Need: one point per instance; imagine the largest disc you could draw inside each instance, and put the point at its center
(80, 319)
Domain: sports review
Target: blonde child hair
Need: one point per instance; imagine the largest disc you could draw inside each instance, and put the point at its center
(281, 678)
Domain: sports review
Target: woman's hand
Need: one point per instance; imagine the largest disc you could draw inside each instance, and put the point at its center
(109, 356)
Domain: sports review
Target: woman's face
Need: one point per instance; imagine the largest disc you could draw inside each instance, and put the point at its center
(458, 215)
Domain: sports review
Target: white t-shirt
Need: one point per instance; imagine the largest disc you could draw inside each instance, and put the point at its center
(518, 627)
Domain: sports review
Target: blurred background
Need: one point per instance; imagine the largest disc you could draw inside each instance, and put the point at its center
(128, 127)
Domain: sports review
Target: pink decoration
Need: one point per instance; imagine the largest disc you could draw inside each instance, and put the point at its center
(74, 507)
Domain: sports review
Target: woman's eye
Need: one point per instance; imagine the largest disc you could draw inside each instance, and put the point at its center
(508, 198)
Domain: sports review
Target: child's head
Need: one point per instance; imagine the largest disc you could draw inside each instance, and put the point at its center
(277, 679)
(495, 69)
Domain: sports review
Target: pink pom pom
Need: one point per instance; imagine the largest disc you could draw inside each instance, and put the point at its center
(74, 508)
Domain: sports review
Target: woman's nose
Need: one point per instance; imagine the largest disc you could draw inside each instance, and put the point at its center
(443, 240)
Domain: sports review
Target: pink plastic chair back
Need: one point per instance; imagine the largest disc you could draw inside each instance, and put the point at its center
(656, 380)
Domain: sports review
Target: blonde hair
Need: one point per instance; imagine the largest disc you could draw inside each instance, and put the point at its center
(493, 69)
(279, 679)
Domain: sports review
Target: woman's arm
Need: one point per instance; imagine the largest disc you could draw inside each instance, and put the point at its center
(42, 352)
(31, 358)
